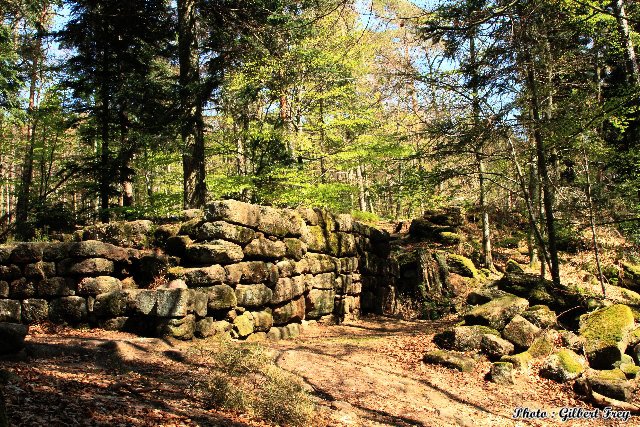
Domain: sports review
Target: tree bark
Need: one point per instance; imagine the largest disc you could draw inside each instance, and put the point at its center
(633, 71)
(192, 123)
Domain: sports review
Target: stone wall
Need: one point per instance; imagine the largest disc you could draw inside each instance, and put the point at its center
(251, 271)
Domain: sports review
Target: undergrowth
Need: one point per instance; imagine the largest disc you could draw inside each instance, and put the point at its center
(246, 379)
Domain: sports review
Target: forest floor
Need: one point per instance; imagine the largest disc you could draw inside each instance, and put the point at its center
(361, 373)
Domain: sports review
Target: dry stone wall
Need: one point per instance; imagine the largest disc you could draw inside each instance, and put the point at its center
(247, 270)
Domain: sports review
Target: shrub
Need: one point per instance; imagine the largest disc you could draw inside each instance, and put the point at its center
(247, 380)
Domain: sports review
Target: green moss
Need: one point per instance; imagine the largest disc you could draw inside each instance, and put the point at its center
(609, 324)
(513, 267)
(631, 270)
(542, 345)
(570, 361)
(634, 337)
(630, 370)
(520, 360)
(462, 265)
(610, 375)
(176, 273)
(449, 238)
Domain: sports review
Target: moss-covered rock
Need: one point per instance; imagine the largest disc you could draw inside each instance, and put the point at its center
(611, 383)
(450, 360)
(449, 238)
(565, 365)
(631, 370)
(461, 265)
(497, 313)
(244, 324)
(630, 275)
(502, 373)
(606, 333)
(519, 361)
(521, 332)
(544, 344)
(513, 267)
(495, 347)
(541, 316)
(463, 338)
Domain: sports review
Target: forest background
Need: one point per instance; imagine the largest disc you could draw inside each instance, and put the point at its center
(521, 111)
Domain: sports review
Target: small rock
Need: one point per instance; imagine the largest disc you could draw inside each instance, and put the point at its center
(495, 347)
(565, 365)
(450, 360)
(521, 332)
(497, 313)
(463, 338)
(541, 316)
(502, 373)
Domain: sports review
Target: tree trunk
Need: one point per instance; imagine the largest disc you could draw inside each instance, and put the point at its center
(362, 200)
(192, 123)
(633, 72)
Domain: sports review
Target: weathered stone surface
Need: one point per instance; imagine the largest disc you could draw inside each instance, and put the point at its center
(319, 302)
(272, 221)
(10, 272)
(344, 222)
(293, 311)
(22, 288)
(461, 265)
(287, 289)
(519, 361)
(72, 309)
(563, 366)
(85, 267)
(262, 248)
(10, 311)
(253, 295)
(4, 289)
(116, 324)
(163, 232)
(97, 249)
(221, 297)
(606, 332)
(250, 272)
(214, 252)
(244, 324)
(200, 276)
(262, 320)
(497, 313)
(56, 251)
(223, 230)
(295, 248)
(56, 287)
(177, 245)
(502, 373)
(112, 304)
(182, 328)
(484, 295)
(25, 253)
(521, 332)
(144, 301)
(309, 216)
(348, 265)
(174, 302)
(320, 263)
(131, 234)
(463, 338)
(286, 268)
(98, 285)
(208, 327)
(541, 316)
(610, 383)
(34, 310)
(5, 253)
(200, 302)
(12, 337)
(544, 344)
(39, 270)
(495, 347)
(450, 360)
(324, 281)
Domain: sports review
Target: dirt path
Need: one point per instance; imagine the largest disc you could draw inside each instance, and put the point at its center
(365, 373)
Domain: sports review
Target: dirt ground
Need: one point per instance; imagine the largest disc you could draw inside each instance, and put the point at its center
(362, 373)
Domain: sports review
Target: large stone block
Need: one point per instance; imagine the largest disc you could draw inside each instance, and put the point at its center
(262, 248)
(35, 310)
(10, 311)
(5, 253)
(39, 270)
(320, 302)
(521, 332)
(112, 304)
(10, 272)
(143, 301)
(221, 297)
(251, 272)
(253, 295)
(199, 276)
(244, 324)
(293, 311)
(85, 267)
(174, 302)
(463, 338)
(324, 281)
(97, 249)
(287, 289)
(321, 263)
(56, 287)
(71, 309)
(182, 328)
(25, 253)
(262, 320)
(295, 248)
(22, 288)
(208, 327)
(98, 285)
(346, 245)
(214, 252)
(497, 313)
(223, 230)
(606, 333)
(4, 289)
(272, 221)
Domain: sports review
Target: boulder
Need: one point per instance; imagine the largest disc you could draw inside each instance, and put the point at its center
(12, 337)
(25, 253)
(97, 249)
(502, 373)
(461, 265)
(10, 272)
(544, 344)
(563, 366)
(253, 295)
(98, 285)
(484, 295)
(293, 311)
(35, 310)
(606, 333)
(521, 332)
(271, 221)
(319, 302)
(450, 360)
(112, 304)
(199, 276)
(244, 324)
(223, 230)
(611, 383)
(177, 245)
(262, 248)
(10, 311)
(497, 313)
(463, 338)
(174, 302)
(22, 288)
(541, 316)
(208, 327)
(85, 267)
(495, 347)
(214, 252)
(182, 328)
(262, 320)
(40, 270)
(519, 361)
(630, 275)
(221, 297)
(56, 287)
(70, 309)
(513, 267)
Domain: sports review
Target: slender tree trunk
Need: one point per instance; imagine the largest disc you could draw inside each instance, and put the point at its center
(633, 71)
(192, 124)
(592, 221)
(362, 200)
